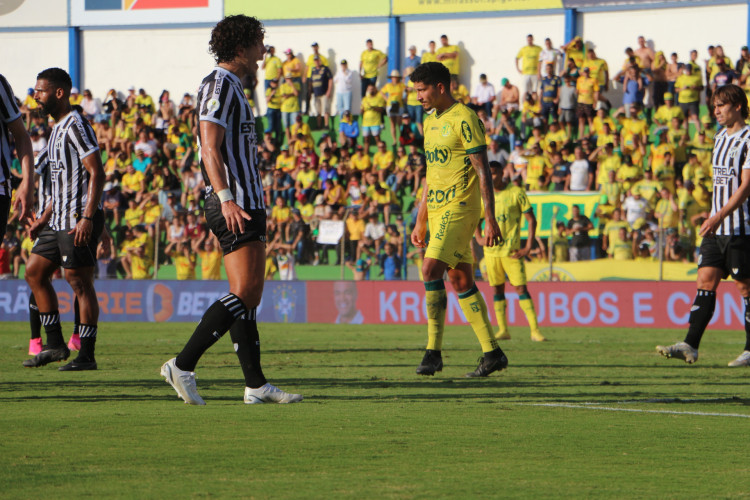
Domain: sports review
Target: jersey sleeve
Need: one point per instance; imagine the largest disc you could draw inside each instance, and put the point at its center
(83, 137)
(472, 132)
(523, 201)
(213, 102)
(9, 111)
(41, 163)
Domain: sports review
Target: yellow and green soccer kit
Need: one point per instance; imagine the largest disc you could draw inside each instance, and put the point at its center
(510, 205)
(453, 197)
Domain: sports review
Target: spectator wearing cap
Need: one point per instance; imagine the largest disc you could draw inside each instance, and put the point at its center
(412, 60)
(409, 132)
(290, 92)
(343, 83)
(667, 111)
(372, 110)
(370, 62)
(348, 130)
(483, 96)
(310, 65)
(271, 66)
(527, 64)
(508, 100)
(75, 97)
(448, 55)
(321, 83)
(293, 66)
(393, 93)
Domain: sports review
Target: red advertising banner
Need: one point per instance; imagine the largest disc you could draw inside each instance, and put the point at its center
(640, 304)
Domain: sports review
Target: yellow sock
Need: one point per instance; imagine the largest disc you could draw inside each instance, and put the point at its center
(437, 303)
(502, 322)
(474, 308)
(527, 306)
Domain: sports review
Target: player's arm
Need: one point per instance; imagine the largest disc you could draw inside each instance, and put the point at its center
(523, 252)
(93, 165)
(419, 232)
(39, 223)
(481, 166)
(738, 198)
(25, 191)
(212, 135)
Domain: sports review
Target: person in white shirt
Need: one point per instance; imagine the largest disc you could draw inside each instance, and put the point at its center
(581, 175)
(635, 206)
(549, 54)
(483, 95)
(342, 82)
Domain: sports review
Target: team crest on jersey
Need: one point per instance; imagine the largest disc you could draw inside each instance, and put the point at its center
(445, 131)
(466, 131)
(212, 106)
(734, 152)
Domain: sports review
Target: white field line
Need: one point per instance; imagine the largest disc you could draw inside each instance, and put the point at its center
(634, 410)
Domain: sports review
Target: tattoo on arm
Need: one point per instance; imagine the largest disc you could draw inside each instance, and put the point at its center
(482, 168)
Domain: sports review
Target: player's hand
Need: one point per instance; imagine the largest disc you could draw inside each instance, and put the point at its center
(35, 227)
(709, 226)
(24, 202)
(82, 232)
(418, 236)
(492, 235)
(234, 216)
(521, 253)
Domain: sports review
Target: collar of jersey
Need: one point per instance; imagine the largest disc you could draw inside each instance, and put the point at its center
(231, 75)
(438, 115)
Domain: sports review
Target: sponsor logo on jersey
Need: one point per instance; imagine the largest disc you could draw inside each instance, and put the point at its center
(443, 225)
(213, 106)
(439, 196)
(439, 154)
(466, 132)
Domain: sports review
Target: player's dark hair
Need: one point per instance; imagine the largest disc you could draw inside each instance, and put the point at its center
(233, 32)
(432, 73)
(731, 94)
(58, 78)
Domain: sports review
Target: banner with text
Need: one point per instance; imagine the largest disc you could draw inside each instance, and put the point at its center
(611, 270)
(159, 301)
(544, 205)
(406, 7)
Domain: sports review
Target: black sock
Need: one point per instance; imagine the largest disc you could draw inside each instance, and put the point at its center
(51, 323)
(34, 321)
(77, 318)
(244, 333)
(747, 323)
(700, 315)
(88, 341)
(214, 323)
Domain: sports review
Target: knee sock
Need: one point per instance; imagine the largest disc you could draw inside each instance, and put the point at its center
(747, 323)
(700, 315)
(88, 341)
(437, 303)
(475, 310)
(246, 340)
(213, 325)
(51, 323)
(499, 305)
(34, 322)
(527, 305)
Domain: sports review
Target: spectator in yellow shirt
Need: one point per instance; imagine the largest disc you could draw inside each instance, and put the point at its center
(370, 62)
(372, 111)
(290, 107)
(271, 66)
(598, 69)
(211, 258)
(529, 64)
(393, 93)
(448, 55)
(588, 93)
(429, 55)
(360, 160)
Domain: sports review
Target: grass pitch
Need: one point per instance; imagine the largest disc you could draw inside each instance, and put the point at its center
(592, 413)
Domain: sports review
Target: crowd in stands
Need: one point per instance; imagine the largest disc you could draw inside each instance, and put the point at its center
(648, 155)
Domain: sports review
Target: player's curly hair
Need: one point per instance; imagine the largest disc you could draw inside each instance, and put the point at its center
(232, 32)
(432, 73)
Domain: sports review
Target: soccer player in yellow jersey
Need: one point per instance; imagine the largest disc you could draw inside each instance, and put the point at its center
(506, 258)
(458, 180)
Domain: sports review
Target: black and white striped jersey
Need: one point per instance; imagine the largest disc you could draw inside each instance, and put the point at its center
(730, 157)
(9, 112)
(44, 192)
(221, 100)
(72, 139)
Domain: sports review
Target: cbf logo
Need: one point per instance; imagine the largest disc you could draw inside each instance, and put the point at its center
(284, 303)
(439, 154)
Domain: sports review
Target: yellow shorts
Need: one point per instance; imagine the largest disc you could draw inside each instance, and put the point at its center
(498, 267)
(451, 231)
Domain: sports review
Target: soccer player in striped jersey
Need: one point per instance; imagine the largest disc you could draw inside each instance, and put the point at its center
(234, 210)
(725, 249)
(69, 228)
(11, 124)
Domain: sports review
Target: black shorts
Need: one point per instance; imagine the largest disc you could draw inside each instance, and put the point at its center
(4, 214)
(255, 228)
(731, 254)
(58, 247)
(690, 108)
(585, 111)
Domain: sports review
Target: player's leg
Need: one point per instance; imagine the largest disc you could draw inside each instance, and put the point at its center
(739, 265)
(81, 280)
(496, 279)
(475, 310)
(516, 270)
(436, 301)
(743, 286)
(74, 343)
(700, 313)
(35, 324)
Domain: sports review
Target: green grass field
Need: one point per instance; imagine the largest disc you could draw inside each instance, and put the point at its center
(592, 413)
